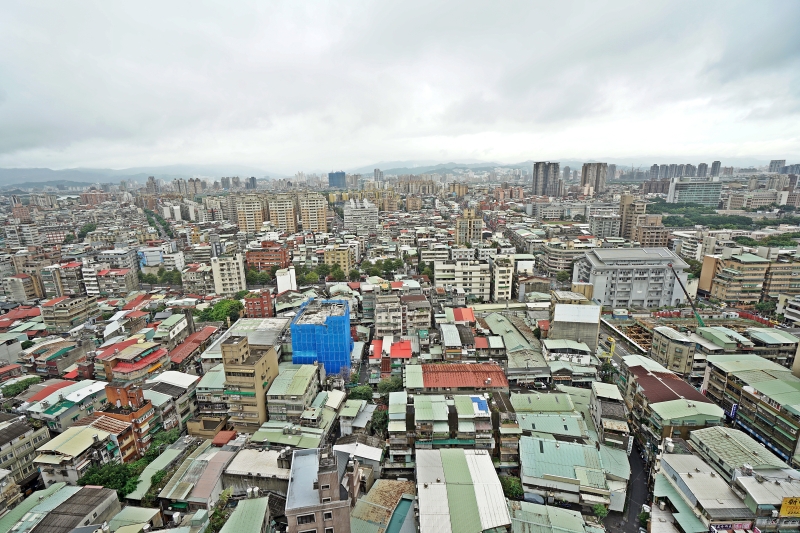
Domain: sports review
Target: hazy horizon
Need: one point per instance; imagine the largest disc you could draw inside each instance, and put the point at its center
(288, 87)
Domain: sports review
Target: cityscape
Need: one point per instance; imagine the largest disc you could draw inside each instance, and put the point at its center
(332, 269)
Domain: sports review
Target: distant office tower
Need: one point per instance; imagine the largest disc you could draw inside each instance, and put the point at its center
(321, 334)
(574, 175)
(337, 180)
(594, 175)
(377, 174)
(776, 165)
(683, 190)
(152, 186)
(250, 183)
(654, 172)
(567, 173)
(546, 179)
(236, 182)
(225, 182)
(702, 170)
(715, 166)
(612, 172)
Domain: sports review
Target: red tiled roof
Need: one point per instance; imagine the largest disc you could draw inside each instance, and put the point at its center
(9, 367)
(20, 276)
(481, 343)
(544, 325)
(47, 391)
(204, 334)
(72, 374)
(463, 314)
(377, 348)
(223, 437)
(54, 301)
(133, 303)
(73, 264)
(463, 375)
(355, 285)
(401, 350)
(22, 312)
(660, 387)
(136, 314)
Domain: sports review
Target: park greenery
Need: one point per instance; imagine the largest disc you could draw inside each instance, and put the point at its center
(153, 218)
(787, 240)
(124, 477)
(164, 277)
(85, 230)
(362, 392)
(392, 384)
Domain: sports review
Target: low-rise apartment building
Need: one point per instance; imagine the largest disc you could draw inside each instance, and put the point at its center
(62, 314)
(292, 392)
(673, 350)
(473, 277)
(67, 457)
(18, 443)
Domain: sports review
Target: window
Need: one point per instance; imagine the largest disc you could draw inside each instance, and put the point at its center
(325, 487)
(328, 530)
(325, 500)
(327, 515)
(306, 519)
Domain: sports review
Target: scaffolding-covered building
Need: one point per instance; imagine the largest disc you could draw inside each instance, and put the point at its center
(321, 333)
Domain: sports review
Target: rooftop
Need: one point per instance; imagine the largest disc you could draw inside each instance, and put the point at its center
(735, 448)
(588, 314)
(318, 311)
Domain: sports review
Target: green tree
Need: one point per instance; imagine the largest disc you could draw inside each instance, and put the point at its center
(362, 392)
(26, 344)
(766, 308)
(392, 384)
(323, 269)
(221, 310)
(562, 276)
(354, 275)
(311, 278)
(122, 477)
(695, 267)
(69, 238)
(600, 511)
(337, 273)
(380, 422)
(161, 440)
(86, 229)
(512, 487)
(643, 518)
(241, 294)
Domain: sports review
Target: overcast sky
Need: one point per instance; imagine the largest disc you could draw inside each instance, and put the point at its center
(311, 85)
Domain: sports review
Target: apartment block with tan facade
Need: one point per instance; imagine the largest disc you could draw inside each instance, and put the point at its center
(248, 376)
(313, 212)
(342, 255)
(739, 279)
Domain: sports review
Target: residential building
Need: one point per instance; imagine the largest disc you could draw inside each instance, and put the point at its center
(292, 392)
(629, 209)
(651, 235)
(133, 362)
(258, 304)
(609, 414)
(249, 213)
(473, 277)
(673, 350)
(603, 225)
(459, 490)
(62, 314)
(703, 191)
(182, 390)
(502, 276)
(323, 486)
(727, 450)
(388, 316)
(776, 165)
(117, 283)
(229, 274)
(121, 431)
(18, 442)
(313, 212)
(267, 255)
(172, 330)
(416, 314)
(20, 288)
(119, 258)
(547, 179)
(593, 175)
(469, 227)
(60, 406)
(321, 334)
(760, 397)
(360, 214)
(248, 376)
(282, 213)
(633, 277)
(198, 278)
(580, 323)
(559, 256)
(737, 280)
(776, 345)
(66, 457)
(342, 255)
(63, 508)
(465, 378)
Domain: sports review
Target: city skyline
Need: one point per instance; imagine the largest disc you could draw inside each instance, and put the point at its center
(286, 87)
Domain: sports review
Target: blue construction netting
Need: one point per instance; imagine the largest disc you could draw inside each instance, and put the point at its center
(329, 342)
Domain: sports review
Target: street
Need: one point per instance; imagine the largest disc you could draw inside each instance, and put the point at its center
(628, 522)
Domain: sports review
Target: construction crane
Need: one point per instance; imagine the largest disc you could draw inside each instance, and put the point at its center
(612, 344)
(696, 314)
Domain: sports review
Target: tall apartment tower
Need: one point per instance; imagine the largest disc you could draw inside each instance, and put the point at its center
(377, 174)
(612, 172)
(629, 209)
(663, 171)
(248, 376)
(249, 213)
(702, 170)
(567, 173)
(337, 180)
(281, 213)
(152, 185)
(468, 227)
(594, 175)
(313, 212)
(546, 179)
(776, 165)
(715, 166)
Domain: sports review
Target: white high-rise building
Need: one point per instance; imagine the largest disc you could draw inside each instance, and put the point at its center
(229, 274)
(360, 214)
(473, 277)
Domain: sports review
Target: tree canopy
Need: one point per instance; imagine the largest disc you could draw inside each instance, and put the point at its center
(392, 384)
(221, 310)
(362, 392)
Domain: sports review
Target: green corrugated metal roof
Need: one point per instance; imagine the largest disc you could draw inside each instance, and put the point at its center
(461, 500)
(750, 258)
(772, 336)
(16, 514)
(735, 447)
(542, 403)
(214, 379)
(413, 377)
(683, 409)
(249, 515)
(159, 463)
(464, 406)
(430, 408)
(569, 424)
(293, 380)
